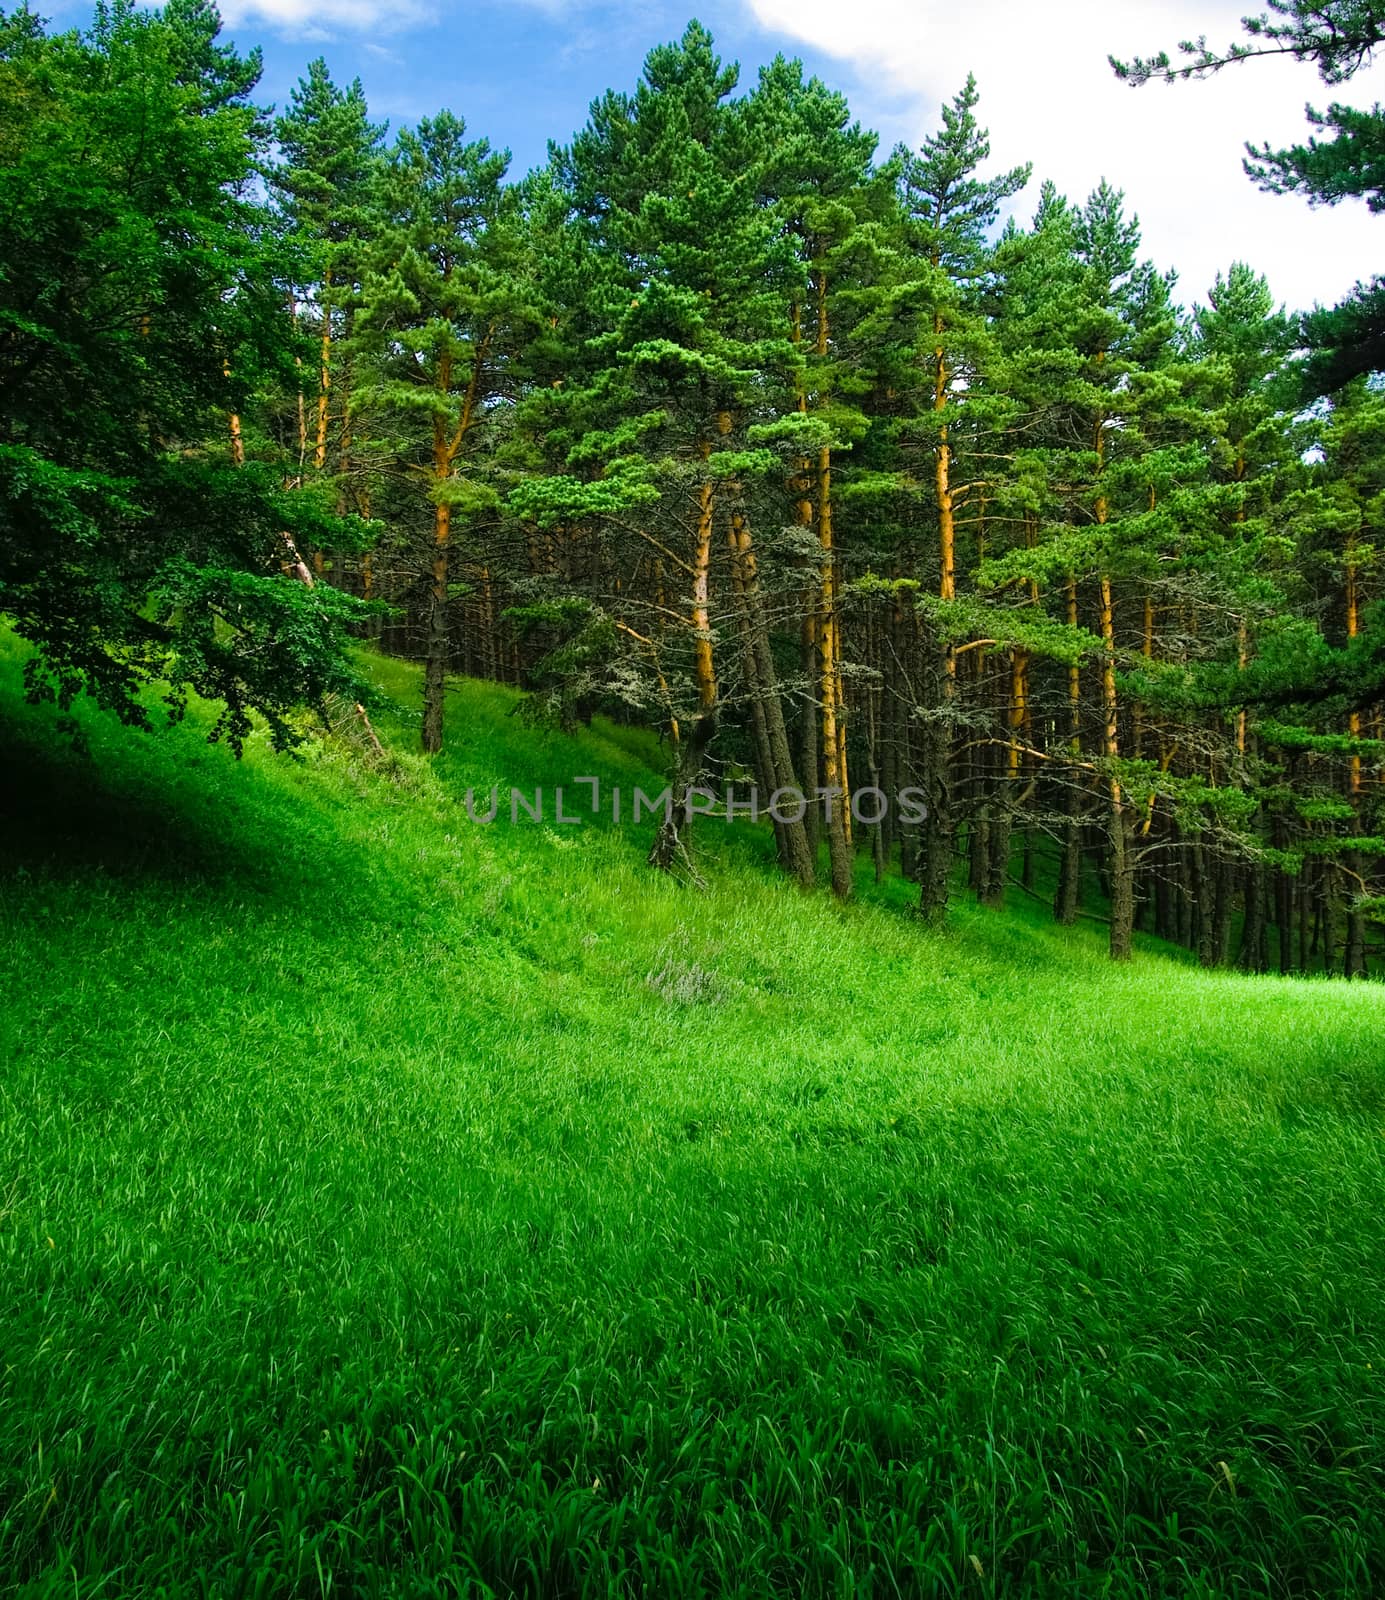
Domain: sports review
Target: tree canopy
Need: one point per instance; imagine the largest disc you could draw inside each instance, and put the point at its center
(850, 473)
(143, 301)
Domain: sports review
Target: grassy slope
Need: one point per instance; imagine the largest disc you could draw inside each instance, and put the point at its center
(394, 1206)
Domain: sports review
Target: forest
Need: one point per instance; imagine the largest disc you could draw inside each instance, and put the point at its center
(784, 1195)
(728, 423)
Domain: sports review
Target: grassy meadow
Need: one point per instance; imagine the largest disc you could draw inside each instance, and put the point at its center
(392, 1206)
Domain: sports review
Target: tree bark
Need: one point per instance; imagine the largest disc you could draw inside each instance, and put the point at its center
(1251, 958)
(1354, 950)
(1121, 825)
(798, 859)
(670, 843)
(809, 763)
(320, 452)
(1223, 909)
(833, 776)
(1067, 901)
(937, 666)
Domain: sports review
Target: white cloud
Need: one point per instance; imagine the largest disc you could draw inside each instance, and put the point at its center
(1048, 95)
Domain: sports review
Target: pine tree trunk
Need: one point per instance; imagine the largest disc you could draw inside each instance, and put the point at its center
(1284, 920)
(670, 842)
(324, 388)
(998, 858)
(981, 787)
(834, 778)
(1222, 914)
(1122, 869)
(1329, 920)
(1304, 900)
(792, 834)
(834, 774)
(1251, 958)
(889, 779)
(911, 767)
(437, 647)
(1354, 951)
(1165, 923)
(1187, 892)
(800, 490)
(997, 873)
(764, 771)
(436, 652)
(233, 419)
(936, 867)
(1206, 908)
(942, 474)
(809, 764)
(935, 845)
(1068, 899)
(874, 770)
(1121, 829)
(979, 847)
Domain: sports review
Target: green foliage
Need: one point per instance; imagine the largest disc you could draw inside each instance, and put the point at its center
(971, 617)
(328, 155)
(1337, 36)
(435, 286)
(142, 300)
(951, 209)
(714, 375)
(549, 500)
(569, 678)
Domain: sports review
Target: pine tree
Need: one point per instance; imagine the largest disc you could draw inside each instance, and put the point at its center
(1092, 326)
(949, 212)
(442, 310)
(329, 150)
(1324, 703)
(688, 273)
(812, 166)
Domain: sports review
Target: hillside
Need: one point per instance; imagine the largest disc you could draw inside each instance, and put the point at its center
(392, 1205)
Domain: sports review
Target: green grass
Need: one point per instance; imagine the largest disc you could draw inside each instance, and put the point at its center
(392, 1206)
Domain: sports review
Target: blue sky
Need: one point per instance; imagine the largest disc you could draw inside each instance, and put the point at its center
(526, 71)
(522, 73)
(519, 74)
